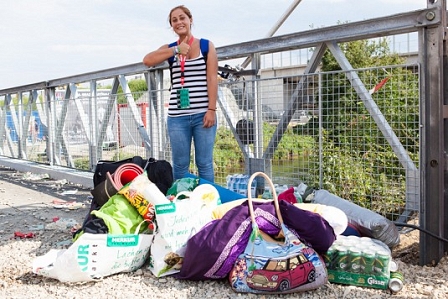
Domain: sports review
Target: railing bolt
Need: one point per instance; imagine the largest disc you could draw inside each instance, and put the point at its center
(430, 15)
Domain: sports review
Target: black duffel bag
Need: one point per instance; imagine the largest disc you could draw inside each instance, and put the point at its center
(160, 172)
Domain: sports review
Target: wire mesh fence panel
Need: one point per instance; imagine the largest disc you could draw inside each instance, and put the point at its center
(318, 129)
(355, 134)
(370, 138)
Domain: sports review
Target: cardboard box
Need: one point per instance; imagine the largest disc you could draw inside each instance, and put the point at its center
(358, 279)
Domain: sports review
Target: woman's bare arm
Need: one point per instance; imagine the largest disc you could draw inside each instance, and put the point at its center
(158, 56)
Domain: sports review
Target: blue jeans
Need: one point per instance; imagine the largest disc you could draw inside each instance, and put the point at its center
(182, 130)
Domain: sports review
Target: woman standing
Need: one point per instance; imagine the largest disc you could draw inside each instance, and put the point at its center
(194, 89)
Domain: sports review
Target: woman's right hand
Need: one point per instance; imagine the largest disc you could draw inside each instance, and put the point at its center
(184, 47)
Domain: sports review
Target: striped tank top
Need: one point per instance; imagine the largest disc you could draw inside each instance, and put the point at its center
(195, 79)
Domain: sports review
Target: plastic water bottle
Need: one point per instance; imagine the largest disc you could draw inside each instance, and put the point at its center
(238, 183)
(230, 179)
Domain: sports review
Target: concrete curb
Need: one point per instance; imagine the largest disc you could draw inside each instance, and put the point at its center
(84, 178)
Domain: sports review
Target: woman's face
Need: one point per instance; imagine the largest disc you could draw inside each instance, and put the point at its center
(180, 22)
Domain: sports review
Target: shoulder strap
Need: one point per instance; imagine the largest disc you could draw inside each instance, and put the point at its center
(203, 43)
(171, 59)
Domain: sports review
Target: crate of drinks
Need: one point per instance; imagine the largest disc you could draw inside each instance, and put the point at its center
(360, 261)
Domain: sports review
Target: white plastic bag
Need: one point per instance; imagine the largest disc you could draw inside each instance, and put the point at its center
(177, 222)
(94, 256)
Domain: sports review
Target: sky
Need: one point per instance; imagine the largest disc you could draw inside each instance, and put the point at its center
(48, 39)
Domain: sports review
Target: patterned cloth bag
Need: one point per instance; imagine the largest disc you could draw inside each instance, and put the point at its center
(279, 265)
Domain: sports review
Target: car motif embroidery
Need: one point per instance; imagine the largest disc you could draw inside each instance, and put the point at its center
(282, 274)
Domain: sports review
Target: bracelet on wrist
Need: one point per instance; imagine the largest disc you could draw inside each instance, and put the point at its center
(174, 51)
(211, 109)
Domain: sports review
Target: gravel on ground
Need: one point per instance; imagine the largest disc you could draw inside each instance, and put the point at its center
(30, 202)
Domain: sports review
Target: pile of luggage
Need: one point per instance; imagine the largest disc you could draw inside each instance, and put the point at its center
(139, 215)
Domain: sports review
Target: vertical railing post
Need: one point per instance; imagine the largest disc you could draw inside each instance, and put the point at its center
(433, 172)
(94, 150)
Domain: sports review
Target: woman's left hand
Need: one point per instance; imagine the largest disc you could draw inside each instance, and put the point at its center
(209, 118)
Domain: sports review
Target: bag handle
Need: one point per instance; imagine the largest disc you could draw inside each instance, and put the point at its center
(274, 194)
(187, 195)
(150, 160)
(137, 229)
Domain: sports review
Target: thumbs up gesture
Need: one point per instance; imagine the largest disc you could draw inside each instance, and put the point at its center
(184, 47)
